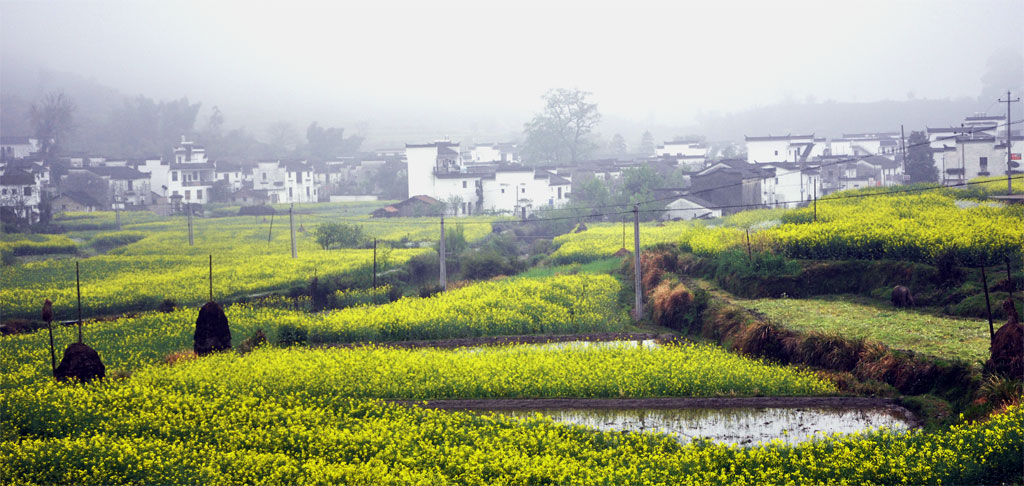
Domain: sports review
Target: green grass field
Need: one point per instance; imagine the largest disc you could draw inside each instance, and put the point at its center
(859, 317)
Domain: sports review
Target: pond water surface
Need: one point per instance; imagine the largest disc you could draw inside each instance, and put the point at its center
(742, 426)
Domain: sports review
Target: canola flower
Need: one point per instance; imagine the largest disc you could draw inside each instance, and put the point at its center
(19, 244)
(554, 305)
(610, 370)
(253, 430)
(923, 227)
(157, 262)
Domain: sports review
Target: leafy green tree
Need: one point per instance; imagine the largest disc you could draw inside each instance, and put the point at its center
(562, 131)
(52, 122)
(326, 143)
(617, 146)
(338, 234)
(647, 144)
(920, 165)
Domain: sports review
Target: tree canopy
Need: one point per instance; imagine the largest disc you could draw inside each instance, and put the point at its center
(561, 132)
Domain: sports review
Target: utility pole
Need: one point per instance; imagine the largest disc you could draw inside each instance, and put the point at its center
(636, 263)
(375, 263)
(963, 162)
(211, 277)
(444, 272)
(271, 230)
(291, 223)
(988, 306)
(188, 210)
(903, 147)
(1009, 142)
(78, 289)
(623, 231)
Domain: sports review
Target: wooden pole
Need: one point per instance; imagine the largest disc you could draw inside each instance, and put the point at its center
(988, 305)
(271, 231)
(815, 203)
(750, 258)
(53, 352)
(636, 263)
(291, 224)
(441, 254)
(78, 288)
(1009, 279)
(188, 209)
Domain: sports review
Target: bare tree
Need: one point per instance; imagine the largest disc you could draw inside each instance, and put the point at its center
(561, 132)
(52, 121)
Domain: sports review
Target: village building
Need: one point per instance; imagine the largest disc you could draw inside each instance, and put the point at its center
(20, 195)
(437, 170)
(783, 148)
(414, 206)
(689, 207)
(12, 148)
(75, 201)
(126, 185)
(733, 185)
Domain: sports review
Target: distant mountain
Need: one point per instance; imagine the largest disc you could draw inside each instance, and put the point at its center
(832, 119)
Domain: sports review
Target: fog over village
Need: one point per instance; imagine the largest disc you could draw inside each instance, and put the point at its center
(530, 242)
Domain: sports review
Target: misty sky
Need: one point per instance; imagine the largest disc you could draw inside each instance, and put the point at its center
(653, 62)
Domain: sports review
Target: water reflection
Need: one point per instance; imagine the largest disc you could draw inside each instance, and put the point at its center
(743, 426)
(644, 343)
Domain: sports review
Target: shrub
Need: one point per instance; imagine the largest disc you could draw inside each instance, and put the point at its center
(353, 297)
(289, 335)
(106, 241)
(167, 305)
(338, 235)
(485, 265)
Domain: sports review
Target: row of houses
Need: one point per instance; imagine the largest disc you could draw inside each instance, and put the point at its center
(490, 181)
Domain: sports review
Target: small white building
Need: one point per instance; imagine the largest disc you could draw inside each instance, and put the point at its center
(689, 208)
(131, 186)
(20, 193)
(190, 176)
(437, 170)
(793, 184)
(233, 176)
(506, 153)
(12, 148)
(975, 155)
(286, 182)
(782, 148)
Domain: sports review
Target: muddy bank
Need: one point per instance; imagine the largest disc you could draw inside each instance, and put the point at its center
(520, 339)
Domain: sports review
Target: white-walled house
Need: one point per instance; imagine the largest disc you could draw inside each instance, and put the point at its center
(233, 175)
(977, 155)
(126, 183)
(12, 148)
(494, 152)
(286, 182)
(682, 148)
(793, 184)
(438, 170)
(190, 176)
(20, 193)
(690, 207)
(782, 148)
